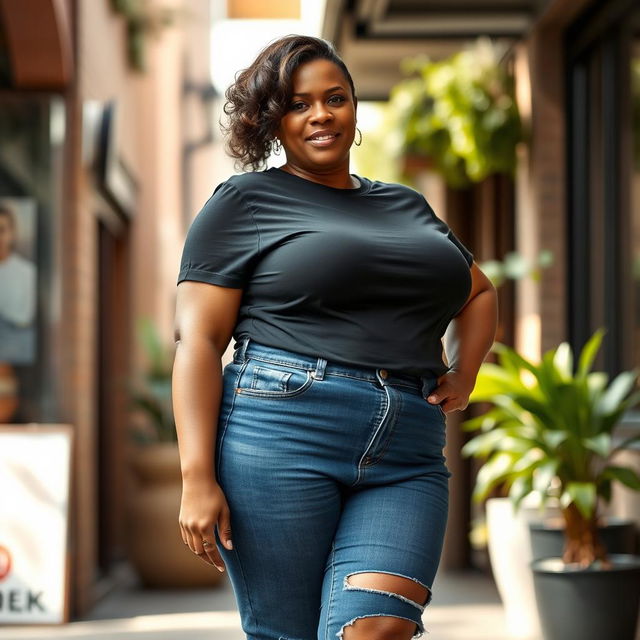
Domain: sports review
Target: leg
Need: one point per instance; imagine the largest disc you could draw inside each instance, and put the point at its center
(385, 627)
(385, 556)
(283, 517)
(282, 532)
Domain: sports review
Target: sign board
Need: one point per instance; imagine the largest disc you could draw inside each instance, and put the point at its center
(35, 472)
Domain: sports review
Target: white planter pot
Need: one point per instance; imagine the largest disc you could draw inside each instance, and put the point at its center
(510, 555)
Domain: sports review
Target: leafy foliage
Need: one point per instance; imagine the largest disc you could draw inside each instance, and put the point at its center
(552, 427)
(461, 112)
(152, 394)
(515, 266)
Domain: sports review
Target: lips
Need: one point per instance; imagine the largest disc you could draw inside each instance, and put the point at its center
(323, 135)
(322, 139)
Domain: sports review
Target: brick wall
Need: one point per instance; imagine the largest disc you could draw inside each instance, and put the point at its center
(149, 138)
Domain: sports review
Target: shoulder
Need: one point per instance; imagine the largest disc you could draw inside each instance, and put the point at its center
(241, 188)
(244, 182)
(232, 192)
(397, 189)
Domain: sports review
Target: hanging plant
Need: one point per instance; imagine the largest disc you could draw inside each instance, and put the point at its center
(460, 113)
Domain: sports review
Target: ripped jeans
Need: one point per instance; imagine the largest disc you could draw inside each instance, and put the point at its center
(329, 470)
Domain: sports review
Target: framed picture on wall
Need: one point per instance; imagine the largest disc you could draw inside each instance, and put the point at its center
(18, 280)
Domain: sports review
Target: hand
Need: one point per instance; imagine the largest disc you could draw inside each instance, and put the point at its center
(203, 505)
(453, 391)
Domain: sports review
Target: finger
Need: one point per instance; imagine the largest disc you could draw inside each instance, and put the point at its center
(437, 394)
(209, 552)
(195, 545)
(224, 528)
(202, 550)
(190, 542)
(183, 535)
(436, 397)
(212, 553)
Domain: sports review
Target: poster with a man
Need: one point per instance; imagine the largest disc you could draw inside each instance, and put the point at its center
(18, 281)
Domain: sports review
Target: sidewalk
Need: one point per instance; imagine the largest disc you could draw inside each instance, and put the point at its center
(465, 606)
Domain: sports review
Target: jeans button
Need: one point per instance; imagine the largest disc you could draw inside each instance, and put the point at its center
(383, 373)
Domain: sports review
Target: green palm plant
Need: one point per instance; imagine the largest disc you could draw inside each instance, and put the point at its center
(151, 394)
(551, 431)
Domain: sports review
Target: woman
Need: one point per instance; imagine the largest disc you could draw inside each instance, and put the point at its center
(325, 463)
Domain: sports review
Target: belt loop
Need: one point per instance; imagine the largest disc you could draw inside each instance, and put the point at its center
(321, 365)
(243, 349)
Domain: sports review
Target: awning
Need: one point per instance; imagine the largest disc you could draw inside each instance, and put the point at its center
(373, 36)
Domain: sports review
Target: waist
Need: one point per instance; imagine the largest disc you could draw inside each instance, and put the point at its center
(250, 348)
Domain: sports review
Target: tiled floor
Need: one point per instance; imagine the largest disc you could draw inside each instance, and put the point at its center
(465, 606)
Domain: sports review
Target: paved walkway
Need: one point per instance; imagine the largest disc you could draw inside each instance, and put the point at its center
(465, 606)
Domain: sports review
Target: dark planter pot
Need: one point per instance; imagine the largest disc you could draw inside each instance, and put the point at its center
(588, 604)
(547, 538)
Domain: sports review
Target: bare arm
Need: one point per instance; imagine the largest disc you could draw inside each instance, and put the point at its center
(205, 317)
(468, 339)
(472, 332)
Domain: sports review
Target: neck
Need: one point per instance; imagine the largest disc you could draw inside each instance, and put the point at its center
(339, 178)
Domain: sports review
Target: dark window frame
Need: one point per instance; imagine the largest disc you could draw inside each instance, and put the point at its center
(601, 30)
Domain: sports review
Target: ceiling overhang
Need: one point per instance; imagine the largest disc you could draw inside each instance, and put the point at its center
(373, 36)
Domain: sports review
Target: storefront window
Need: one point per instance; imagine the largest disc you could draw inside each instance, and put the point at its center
(603, 123)
(31, 165)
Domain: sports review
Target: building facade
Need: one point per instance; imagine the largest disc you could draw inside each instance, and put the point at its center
(104, 136)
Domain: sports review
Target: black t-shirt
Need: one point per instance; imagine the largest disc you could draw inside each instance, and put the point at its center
(367, 276)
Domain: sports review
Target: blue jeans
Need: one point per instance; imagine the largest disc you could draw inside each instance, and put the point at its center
(328, 470)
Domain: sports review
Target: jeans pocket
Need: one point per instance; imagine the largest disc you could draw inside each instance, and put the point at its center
(437, 407)
(273, 380)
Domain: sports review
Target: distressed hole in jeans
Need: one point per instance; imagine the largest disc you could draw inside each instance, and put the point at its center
(393, 585)
(390, 628)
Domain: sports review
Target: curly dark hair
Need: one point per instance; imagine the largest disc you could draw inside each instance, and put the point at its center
(260, 95)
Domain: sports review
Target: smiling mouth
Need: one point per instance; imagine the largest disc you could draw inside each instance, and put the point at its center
(324, 140)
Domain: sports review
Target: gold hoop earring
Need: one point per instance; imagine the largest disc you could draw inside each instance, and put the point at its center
(276, 146)
(359, 141)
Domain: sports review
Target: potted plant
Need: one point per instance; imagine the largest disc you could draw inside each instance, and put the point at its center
(155, 546)
(551, 431)
(510, 556)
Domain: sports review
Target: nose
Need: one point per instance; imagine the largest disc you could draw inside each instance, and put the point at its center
(321, 113)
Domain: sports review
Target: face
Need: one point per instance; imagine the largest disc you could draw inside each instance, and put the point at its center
(318, 129)
(6, 235)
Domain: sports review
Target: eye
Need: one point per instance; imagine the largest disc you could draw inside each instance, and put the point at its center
(337, 99)
(296, 106)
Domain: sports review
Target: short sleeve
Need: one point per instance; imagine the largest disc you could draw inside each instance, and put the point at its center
(442, 225)
(222, 242)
